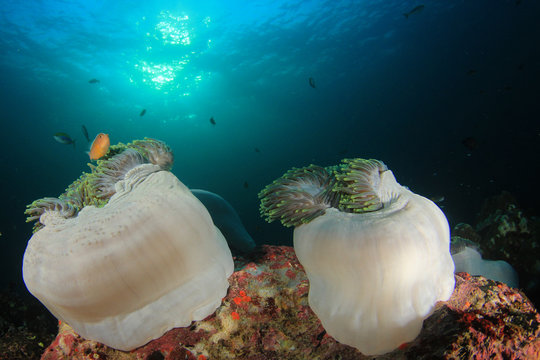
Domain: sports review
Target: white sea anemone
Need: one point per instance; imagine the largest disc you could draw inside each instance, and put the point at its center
(377, 257)
(149, 260)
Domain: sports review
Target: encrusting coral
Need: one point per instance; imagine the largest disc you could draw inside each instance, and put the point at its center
(127, 252)
(376, 255)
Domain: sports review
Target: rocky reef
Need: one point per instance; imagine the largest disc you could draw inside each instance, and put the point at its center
(265, 315)
(503, 231)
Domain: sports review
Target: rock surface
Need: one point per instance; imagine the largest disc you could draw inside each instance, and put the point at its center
(505, 232)
(265, 315)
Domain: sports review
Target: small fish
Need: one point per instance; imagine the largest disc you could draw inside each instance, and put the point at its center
(471, 72)
(470, 143)
(312, 82)
(521, 66)
(246, 185)
(437, 198)
(93, 81)
(142, 112)
(99, 146)
(212, 121)
(64, 138)
(85, 133)
(415, 10)
(257, 150)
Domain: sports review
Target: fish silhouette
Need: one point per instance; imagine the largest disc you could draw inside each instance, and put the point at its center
(85, 133)
(415, 10)
(142, 112)
(64, 138)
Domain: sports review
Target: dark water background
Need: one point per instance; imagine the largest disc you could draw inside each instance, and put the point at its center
(405, 91)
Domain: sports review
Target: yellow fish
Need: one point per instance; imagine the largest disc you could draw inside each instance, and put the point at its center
(100, 146)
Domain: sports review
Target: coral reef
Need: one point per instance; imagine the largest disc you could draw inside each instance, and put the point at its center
(376, 254)
(265, 315)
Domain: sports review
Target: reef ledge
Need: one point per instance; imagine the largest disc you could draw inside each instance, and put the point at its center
(265, 315)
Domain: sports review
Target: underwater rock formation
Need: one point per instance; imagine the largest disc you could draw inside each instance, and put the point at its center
(506, 233)
(376, 255)
(148, 260)
(266, 315)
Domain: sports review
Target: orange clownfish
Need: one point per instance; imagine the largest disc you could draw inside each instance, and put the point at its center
(99, 147)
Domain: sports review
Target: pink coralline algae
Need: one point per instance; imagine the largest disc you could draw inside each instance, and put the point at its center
(265, 315)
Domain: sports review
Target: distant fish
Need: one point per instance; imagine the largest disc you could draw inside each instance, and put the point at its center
(470, 143)
(64, 138)
(312, 82)
(246, 185)
(85, 133)
(415, 10)
(437, 198)
(99, 146)
(521, 66)
(471, 72)
(257, 150)
(142, 112)
(212, 121)
(93, 81)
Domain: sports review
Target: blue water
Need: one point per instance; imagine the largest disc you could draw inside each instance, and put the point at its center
(405, 91)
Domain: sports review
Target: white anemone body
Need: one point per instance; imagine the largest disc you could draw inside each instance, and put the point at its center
(374, 277)
(124, 274)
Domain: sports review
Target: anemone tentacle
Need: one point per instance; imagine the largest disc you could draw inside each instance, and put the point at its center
(39, 207)
(113, 170)
(358, 180)
(156, 151)
(299, 196)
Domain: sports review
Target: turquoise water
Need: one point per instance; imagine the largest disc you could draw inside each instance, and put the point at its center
(406, 91)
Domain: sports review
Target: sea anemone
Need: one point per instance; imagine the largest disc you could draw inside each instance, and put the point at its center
(226, 219)
(95, 188)
(377, 256)
(467, 258)
(146, 261)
